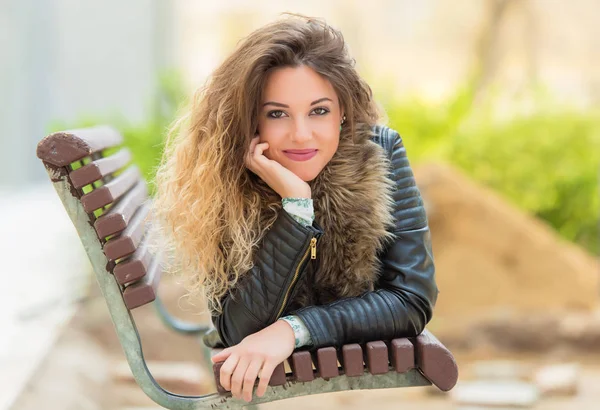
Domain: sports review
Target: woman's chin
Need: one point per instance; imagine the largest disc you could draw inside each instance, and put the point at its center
(303, 171)
(306, 175)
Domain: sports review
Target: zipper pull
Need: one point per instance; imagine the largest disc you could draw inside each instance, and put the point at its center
(313, 248)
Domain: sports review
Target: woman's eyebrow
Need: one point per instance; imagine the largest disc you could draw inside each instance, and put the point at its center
(276, 104)
(320, 100)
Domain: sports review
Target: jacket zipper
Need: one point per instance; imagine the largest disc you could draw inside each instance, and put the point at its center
(313, 255)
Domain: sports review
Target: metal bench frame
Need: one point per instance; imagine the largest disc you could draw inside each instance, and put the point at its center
(58, 151)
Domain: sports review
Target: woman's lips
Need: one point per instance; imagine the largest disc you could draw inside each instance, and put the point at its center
(300, 156)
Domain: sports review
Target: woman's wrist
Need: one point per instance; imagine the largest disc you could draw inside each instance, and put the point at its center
(286, 328)
(301, 209)
(301, 333)
(299, 193)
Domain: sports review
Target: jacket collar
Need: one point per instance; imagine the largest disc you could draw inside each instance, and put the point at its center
(353, 202)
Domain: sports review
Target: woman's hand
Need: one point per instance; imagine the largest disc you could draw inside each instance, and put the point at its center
(259, 352)
(282, 180)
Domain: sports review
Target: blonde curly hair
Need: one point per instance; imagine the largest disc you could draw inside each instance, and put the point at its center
(210, 210)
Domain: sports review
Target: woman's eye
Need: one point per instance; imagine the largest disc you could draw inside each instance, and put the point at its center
(275, 114)
(320, 111)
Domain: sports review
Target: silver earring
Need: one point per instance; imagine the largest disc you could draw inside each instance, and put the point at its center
(343, 119)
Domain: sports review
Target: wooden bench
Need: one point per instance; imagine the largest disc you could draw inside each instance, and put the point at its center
(107, 200)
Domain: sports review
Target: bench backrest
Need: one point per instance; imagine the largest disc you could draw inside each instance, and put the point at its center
(114, 195)
(106, 199)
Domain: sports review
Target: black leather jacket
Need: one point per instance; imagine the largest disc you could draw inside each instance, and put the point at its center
(400, 305)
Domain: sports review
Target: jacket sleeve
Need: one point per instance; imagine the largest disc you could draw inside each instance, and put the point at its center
(404, 297)
(255, 302)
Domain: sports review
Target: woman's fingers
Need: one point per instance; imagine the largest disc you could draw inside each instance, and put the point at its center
(227, 370)
(249, 153)
(222, 355)
(250, 378)
(253, 143)
(237, 379)
(265, 376)
(260, 148)
(256, 143)
(255, 159)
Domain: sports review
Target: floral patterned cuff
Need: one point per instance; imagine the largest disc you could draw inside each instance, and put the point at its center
(300, 330)
(301, 209)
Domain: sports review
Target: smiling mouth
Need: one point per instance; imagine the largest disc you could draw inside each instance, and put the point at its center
(300, 151)
(300, 155)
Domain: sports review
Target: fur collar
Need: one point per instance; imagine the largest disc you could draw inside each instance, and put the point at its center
(353, 203)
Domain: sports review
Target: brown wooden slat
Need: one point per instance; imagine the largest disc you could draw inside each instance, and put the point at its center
(130, 238)
(217, 373)
(144, 291)
(63, 148)
(352, 360)
(402, 355)
(99, 168)
(110, 192)
(327, 362)
(278, 377)
(136, 266)
(376, 357)
(435, 361)
(301, 365)
(120, 213)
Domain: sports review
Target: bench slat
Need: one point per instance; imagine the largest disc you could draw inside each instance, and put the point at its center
(301, 365)
(327, 366)
(135, 267)
(376, 357)
(278, 377)
(110, 192)
(118, 216)
(144, 291)
(351, 359)
(63, 148)
(402, 355)
(100, 168)
(130, 238)
(435, 361)
(217, 374)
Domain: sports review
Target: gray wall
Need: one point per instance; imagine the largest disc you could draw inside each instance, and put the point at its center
(64, 59)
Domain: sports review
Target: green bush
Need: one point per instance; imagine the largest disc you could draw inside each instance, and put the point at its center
(546, 163)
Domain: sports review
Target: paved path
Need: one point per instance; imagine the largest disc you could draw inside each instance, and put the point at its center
(44, 269)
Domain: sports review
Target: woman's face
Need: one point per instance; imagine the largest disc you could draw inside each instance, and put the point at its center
(300, 111)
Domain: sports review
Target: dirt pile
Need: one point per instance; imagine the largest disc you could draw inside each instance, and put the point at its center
(492, 258)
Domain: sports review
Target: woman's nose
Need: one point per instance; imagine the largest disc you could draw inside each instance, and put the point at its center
(302, 131)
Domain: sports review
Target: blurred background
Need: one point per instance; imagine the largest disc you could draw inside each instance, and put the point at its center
(498, 102)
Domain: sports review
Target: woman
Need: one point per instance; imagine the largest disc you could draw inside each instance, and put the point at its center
(290, 209)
